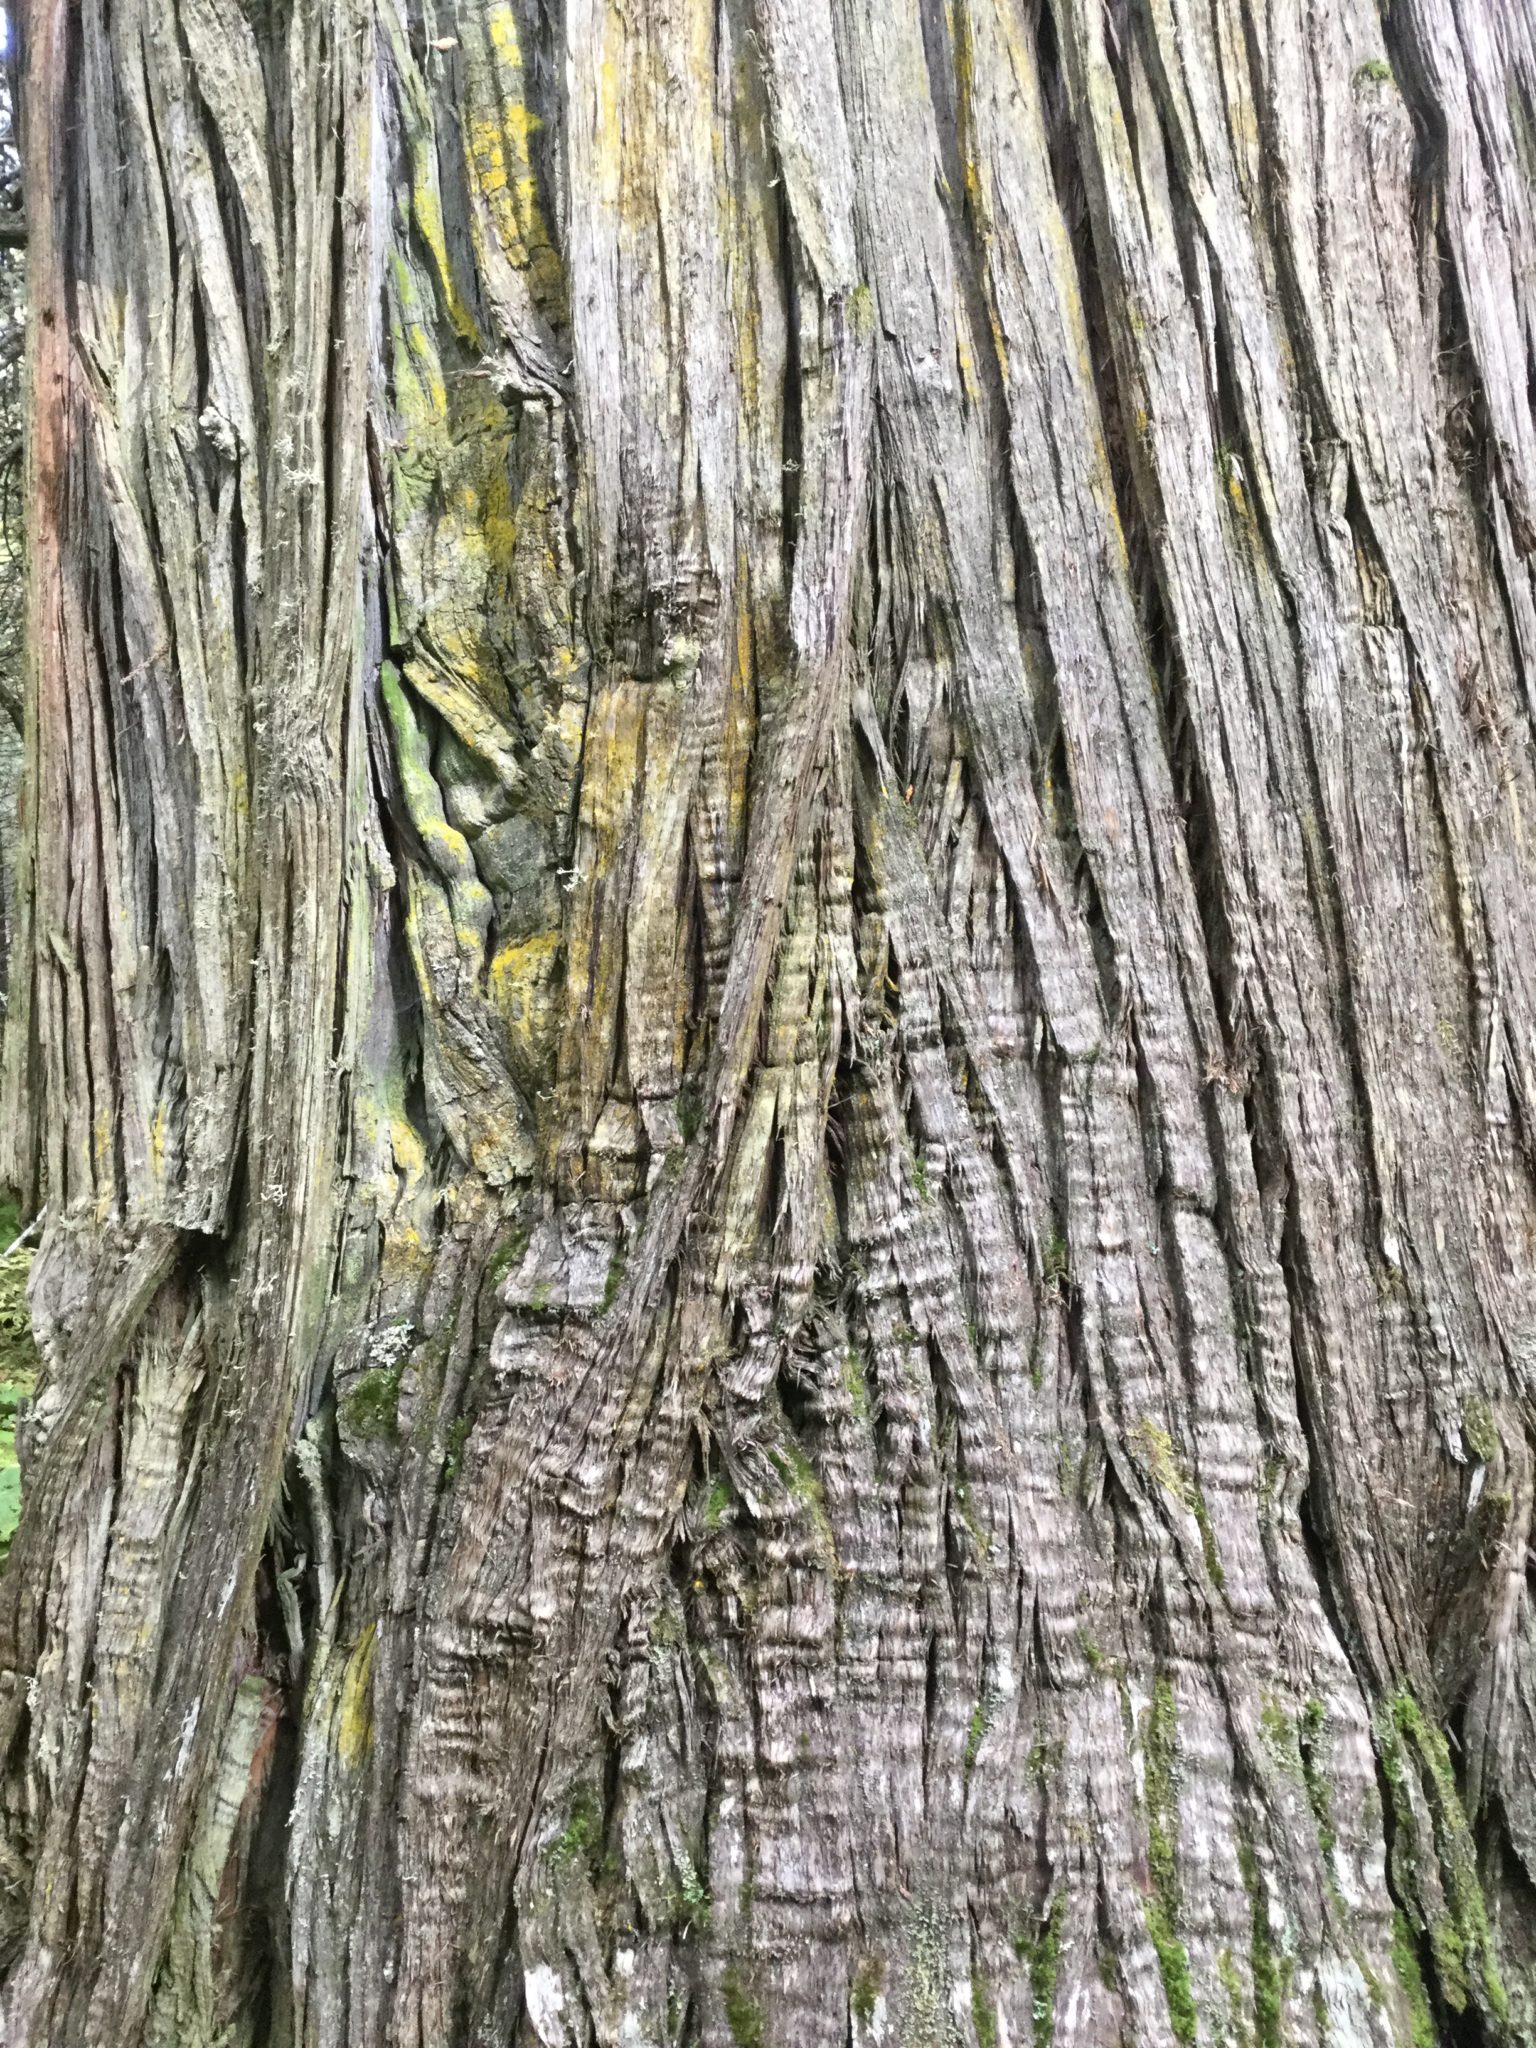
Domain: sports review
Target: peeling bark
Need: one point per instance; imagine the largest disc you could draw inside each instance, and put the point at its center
(776, 1005)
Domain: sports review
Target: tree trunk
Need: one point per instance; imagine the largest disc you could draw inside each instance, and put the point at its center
(776, 1001)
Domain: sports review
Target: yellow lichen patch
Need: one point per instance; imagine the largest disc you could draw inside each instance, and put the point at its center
(420, 396)
(447, 848)
(102, 1149)
(427, 210)
(354, 1718)
(522, 982)
(498, 136)
(157, 1143)
(965, 362)
(425, 202)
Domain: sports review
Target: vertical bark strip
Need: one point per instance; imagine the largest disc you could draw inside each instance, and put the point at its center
(775, 1003)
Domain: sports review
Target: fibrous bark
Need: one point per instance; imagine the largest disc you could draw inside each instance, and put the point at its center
(776, 1003)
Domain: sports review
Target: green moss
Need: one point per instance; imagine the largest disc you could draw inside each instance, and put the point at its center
(973, 1528)
(856, 1385)
(919, 1172)
(1213, 1563)
(720, 1498)
(1481, 1430)
(371, 1405)
(614, 1281)
(1160, 1743)
(799, 1475)
(1173, 1965)
(983, 2013)
(690, 1110)
(1231, 1980)
(743, 2014)
(981, 1721)
(581, 1837)
(861, 309)
(690, 1903)
(1405, 1967)
(1041, 1950)
(505, 1257)
(1267, 1973)
(1312, 1743)
(1054, 1262)
(1375, 70)
(1280, 1737)
(666, 1629)
(1461, 1941)
(1044, 1760)
(867, 1980)
(1155, 1446)
(455, 1436)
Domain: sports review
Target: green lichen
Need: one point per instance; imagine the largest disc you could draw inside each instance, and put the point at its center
(1160, 1745)
(929, 2017)
(867, 1980)
(743, 2014)
(861, 309)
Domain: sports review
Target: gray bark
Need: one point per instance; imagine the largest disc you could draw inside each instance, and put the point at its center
(776, 1003)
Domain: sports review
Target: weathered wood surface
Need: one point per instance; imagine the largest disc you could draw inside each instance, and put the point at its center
(777, 1004)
